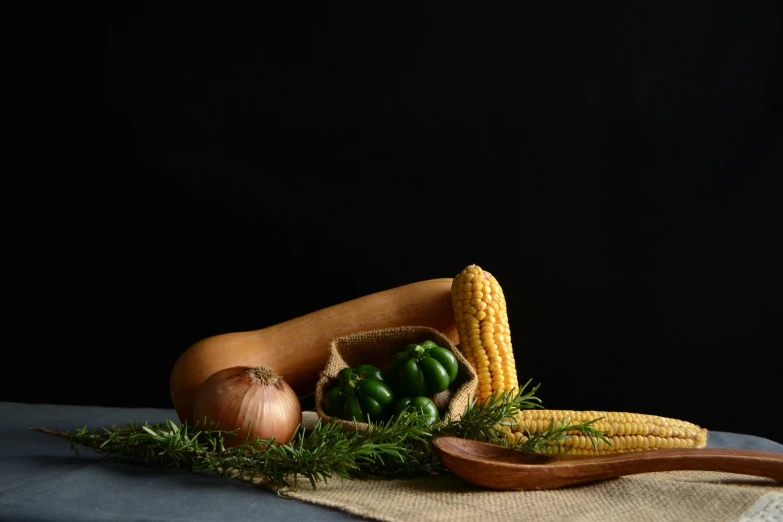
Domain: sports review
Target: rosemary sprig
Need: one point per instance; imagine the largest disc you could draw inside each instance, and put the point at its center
(479, 420)
(546, 441)
(398, 448)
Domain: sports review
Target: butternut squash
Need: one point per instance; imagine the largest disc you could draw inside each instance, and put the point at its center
(298, 349)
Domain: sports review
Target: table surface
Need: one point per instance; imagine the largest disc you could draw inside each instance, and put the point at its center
(42, 479)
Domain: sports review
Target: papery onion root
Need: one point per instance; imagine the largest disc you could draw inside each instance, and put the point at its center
(264, 375)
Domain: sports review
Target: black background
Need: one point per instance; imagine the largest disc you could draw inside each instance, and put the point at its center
(617, 169)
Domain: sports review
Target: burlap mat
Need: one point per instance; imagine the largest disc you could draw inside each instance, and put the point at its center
(681, 496)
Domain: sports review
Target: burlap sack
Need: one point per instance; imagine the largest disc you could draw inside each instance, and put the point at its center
(376, 347)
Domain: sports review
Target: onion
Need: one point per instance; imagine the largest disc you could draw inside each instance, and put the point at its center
(255, 401)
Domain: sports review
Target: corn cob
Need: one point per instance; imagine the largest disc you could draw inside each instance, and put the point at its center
(626, 431)
(482, 326)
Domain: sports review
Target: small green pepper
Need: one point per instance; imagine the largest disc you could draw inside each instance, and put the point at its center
(361, 393)
(367, 370)
(445, 357)
(423, 404)
(422, 369)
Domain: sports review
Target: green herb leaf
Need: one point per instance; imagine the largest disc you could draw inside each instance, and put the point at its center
(400, 447)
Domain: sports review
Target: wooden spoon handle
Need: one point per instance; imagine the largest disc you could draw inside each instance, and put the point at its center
(496, 467)
(745, 462)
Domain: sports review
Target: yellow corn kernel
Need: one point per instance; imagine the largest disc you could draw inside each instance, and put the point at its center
(482, 326)
(626, 431)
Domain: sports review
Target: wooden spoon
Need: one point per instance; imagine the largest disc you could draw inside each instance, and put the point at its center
(496, 467)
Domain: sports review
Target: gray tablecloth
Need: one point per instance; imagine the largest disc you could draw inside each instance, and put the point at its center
(42, 479)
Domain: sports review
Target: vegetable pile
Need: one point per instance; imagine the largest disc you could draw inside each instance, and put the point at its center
(237, 394)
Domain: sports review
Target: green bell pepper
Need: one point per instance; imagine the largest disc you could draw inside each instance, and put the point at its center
(361, 393)
(422, 369)
(423, 404)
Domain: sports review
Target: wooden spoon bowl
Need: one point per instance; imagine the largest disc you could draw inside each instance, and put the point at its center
(497, 467)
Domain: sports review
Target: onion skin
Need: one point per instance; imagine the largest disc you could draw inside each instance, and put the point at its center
(241, 395)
